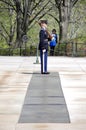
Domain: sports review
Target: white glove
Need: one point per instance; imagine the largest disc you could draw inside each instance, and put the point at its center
(44, 50)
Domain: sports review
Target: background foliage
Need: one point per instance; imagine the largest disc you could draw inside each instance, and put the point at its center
(14, 13)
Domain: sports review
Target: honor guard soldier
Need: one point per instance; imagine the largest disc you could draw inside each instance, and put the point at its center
(43, 45)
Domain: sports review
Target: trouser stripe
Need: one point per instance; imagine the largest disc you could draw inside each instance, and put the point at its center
(43, 62)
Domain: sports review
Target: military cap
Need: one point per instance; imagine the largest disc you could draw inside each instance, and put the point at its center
(43, 21)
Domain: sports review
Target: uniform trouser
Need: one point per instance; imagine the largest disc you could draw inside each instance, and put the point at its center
(43, 56)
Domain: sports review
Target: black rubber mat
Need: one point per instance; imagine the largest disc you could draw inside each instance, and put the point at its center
(44, 101)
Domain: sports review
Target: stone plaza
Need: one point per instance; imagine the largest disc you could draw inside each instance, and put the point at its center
(15, 75)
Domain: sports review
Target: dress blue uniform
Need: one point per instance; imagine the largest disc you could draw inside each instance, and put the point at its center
(43, 47)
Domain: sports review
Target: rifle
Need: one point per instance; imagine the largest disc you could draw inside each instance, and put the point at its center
(49, 35)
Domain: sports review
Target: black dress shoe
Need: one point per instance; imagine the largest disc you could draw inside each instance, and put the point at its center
(46, 73)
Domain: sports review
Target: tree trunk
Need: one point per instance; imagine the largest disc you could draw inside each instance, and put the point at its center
(19, 24)
(22, 20)
(64, 17)
(25, 17)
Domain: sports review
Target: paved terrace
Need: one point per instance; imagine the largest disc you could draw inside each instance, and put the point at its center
(15, 77)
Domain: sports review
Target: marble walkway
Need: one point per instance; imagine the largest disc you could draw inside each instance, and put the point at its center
(15, 76)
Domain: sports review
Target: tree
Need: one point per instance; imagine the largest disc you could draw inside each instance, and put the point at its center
(78, 20)
(64, 8)
(27, 11)
(7, 26)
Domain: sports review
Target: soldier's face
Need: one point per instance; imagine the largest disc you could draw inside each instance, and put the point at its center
(44, 25)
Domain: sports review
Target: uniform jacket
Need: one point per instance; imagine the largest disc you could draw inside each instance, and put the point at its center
(43, 39)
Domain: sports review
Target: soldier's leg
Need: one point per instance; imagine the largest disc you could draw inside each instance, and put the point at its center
(45, 61)
(41, 58)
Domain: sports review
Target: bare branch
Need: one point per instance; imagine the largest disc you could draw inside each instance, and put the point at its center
(8, 3)
(53, 17)
(3, 35)
(39, 12)
(74, 2)
(4, 28)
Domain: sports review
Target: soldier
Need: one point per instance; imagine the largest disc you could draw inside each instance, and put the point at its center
(43, 46)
